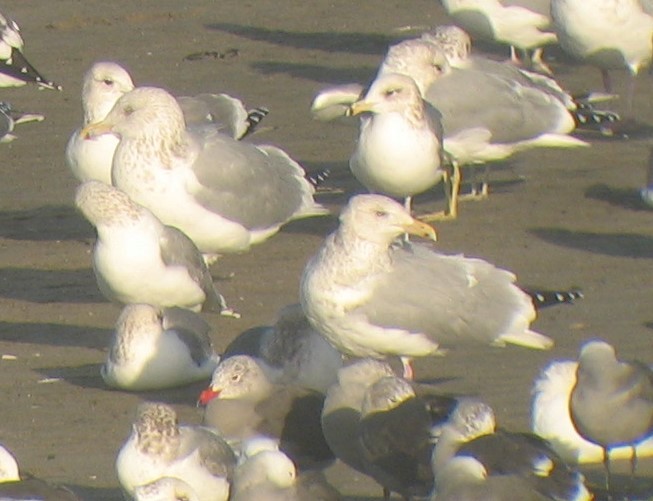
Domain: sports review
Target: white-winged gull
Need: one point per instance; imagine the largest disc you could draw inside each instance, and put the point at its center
(154, 348)
(224, 194)
(371, 298)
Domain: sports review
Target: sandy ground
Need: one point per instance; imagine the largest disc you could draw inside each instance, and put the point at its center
(556, 218)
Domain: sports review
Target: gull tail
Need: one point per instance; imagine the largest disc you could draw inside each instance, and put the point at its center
(254, 118)
(19, 68)
(528, 339)
(544, 298)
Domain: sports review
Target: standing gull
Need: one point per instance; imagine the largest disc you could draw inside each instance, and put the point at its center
(15, 70)
(155, 348)
(159, 447)
(137, 259)
(224, 194)
(612, 401)
(523, 24)
(609, 34)
(370, 298)
(399, 151)
(105, 82)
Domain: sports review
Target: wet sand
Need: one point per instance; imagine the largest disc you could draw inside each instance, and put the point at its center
(557, 218)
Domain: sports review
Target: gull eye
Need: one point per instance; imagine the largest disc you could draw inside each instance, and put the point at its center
(108, 82)
(391, 92)
(128, 110)
(235, 378)
(381, 213)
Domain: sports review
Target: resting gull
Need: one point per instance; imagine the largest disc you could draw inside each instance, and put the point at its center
(224, 194)
(609, 34)
(523, 24)
(399, 151)
(159, 447)
(137, 259)
(291, 351)
(15, 70)
(241, 402)
(551, 420)
(370, 298)
(154, 348)
(612, 402)
(105, 82)
(471, 432)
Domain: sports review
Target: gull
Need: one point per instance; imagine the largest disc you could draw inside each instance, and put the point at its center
(224, 194)
(9, 118)
(291, 351)
(137, 259)
(105, 82)
(165, 489)
(609, 34)
(155, 348)
(13, 487)
(471, 432)
(612, 401)
(15, 70)
(551, 419)
(525, 25)
(159, 447)
(370, 298)
(399, 151)
(241, 402)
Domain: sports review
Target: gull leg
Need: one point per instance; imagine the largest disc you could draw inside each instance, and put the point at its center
(630, 93)
(451, 190)
(408, 374)
(514, 58)
(538, 64)
(607, 81)
(477, 194)
(606, 465)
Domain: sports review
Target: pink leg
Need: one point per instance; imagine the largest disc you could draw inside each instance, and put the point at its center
(409, 374)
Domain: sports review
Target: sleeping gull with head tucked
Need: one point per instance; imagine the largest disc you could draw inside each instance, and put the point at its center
(105, 82)
(154, 348)
(137, 259)
(371, 298)
(224, 194)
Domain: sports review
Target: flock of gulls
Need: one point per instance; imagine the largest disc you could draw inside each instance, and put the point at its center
(171, 183)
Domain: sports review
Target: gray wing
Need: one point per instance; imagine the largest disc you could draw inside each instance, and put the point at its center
(192, 330)
(542, 7)
(452, 299)
(179, 250)
(216, 455)
(334, 102)
(471, 99)
(247, 343)
(258, 187)
(227, 114)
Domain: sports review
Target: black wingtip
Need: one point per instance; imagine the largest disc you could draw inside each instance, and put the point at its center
(544, 298)
(18, 67)
(318, 178)
(254, 118)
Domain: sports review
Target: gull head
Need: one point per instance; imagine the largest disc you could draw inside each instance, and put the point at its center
(139, 318)
(379, 219)
(145, 113)
(238, 377)
(472, 418)
(267, 466)
(452, 40)
(157, 429)
(104, 84)
(597, 363)
(386, 394)
(101, 203)
(391, 93)
(423, 61)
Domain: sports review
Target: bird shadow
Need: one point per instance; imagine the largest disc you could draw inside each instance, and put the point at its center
(96, 493)
(328, 41)
(316, 72)
(50, 286)
(622, 486)
(47, 223)
(55, 334)
(627, 198)
(612, 244)
(88, 376)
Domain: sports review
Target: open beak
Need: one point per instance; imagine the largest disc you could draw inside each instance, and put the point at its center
(95, 130)
(420, 229)
(207, 395)
(360, 107)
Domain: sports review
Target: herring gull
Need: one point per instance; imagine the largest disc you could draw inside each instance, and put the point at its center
(611, 403)
(159, 447)
(15, 69)
(399, 151)
(155, 348)
(471, 432)
(371, 298)
(523, 24)
(137, 259)
(224, 194)
(609, 34)
(105, 82)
